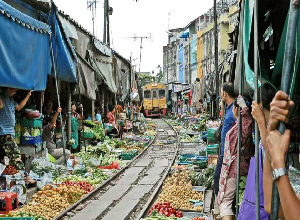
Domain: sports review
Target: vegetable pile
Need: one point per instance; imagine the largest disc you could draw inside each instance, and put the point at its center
(165, 209)
(178, 192)
(203, 178)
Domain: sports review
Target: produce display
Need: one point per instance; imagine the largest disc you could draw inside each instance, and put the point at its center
(203, 178)
(165, 209)
(156, 216)
(10, 170)
(51, 200)
(22, 214)
(178, 192)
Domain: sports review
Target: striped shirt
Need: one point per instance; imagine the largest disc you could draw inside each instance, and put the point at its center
(7, 116)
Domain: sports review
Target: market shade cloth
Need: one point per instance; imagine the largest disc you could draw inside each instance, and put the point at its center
(24, 50)
(64, 54)
(103, 70)
(86, 79)
(277, 72)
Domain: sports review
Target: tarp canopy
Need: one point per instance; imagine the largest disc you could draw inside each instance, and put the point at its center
(102, 48)
(185, 34)
(64, 53)
(103, 70)
(24, 50)
(86, 79)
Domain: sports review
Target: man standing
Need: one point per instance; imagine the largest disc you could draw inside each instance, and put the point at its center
(227, 94)
(48, 136)
(7, 126)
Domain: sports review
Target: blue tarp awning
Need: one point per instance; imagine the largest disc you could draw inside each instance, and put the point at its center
(185, 34)
(24, 50)
(64, 54)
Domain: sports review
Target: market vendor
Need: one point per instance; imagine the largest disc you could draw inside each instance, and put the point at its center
(8, 146)
(75, 118)
(48, 137)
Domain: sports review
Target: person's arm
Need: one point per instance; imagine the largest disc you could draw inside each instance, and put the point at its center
(258, 116)
(1, 103)
(23, 102)
(54, 118)
(276, 149)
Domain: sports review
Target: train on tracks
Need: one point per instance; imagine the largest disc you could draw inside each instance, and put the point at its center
(155, 99)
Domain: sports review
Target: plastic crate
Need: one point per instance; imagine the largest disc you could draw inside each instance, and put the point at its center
(16, 218)
(31, 122)
(128, 156)
(31, 140)
(212, 149)
(200, 164)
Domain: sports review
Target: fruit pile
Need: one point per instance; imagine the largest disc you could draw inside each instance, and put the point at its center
(166, 209)
(83, 185)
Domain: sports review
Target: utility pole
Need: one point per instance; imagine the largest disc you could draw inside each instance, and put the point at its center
(105, 21)
(92, 5)
(216, 56)
(141, 47)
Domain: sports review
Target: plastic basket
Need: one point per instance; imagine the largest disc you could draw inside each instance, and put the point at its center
(16, 218)
(31, 122)
(200, 164)
(212, 149)
(31, 140)
(128, 156)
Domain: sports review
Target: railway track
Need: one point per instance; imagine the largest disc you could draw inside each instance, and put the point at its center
(130, 192)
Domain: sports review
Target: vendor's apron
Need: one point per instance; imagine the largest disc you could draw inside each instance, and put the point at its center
(74, 132)
(248, 207)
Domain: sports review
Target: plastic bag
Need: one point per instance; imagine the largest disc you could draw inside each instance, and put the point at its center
(2, 168)
(46, 179)
(93, 162)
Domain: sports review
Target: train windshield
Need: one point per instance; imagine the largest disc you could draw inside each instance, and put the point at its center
(147, 94)
(162, 94)
(154, 94)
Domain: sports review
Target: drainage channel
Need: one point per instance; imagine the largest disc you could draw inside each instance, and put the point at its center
(125, 196)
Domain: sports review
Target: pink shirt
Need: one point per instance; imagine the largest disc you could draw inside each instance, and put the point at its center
(232, 140)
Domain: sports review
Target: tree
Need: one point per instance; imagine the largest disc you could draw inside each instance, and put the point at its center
(145, 79)
(159, 77)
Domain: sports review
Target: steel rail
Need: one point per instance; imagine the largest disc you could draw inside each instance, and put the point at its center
(152, 199)
(105, 183)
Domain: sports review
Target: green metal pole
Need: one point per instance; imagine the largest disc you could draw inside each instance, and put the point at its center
(239, 147)
(256, 51)
(285, 83)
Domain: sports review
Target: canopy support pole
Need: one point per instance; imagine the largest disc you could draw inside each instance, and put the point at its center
(69, 112)
(256, 99)
(240, 121)
(58, 100)
(285, 83)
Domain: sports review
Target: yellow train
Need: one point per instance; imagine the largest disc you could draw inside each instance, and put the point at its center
(155, 99)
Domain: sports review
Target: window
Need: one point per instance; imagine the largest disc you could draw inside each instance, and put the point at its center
(154, 94)
(162, 93)
(2, 205)
(147, 94)
(14, 204)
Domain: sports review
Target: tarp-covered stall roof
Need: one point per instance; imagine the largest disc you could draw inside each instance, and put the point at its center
(103, 70)
(24, 50)
(64, 53)
(86, 79)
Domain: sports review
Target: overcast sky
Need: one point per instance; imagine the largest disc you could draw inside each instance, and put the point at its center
(142, 18)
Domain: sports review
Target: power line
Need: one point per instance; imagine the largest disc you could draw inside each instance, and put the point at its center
(141, 46)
